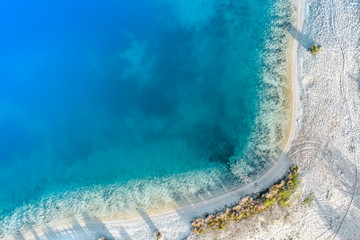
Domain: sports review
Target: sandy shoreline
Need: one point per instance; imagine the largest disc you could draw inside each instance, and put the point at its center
(327, 139)
(176, 223)
(324, 143)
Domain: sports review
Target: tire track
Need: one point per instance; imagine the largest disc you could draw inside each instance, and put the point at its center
(343, 95)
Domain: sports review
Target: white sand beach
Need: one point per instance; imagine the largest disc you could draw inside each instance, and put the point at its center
(324, 143)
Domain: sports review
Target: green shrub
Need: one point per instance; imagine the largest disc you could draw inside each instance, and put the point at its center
(285, 197)
(269, 202)
(158, 235)
(315, 49)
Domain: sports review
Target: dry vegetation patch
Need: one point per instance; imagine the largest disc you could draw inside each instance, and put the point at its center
(248, 206)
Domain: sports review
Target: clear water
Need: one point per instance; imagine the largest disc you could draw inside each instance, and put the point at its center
(106, 107)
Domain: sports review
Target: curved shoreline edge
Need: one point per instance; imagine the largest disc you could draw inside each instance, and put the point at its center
(326, 204)
(176, 223)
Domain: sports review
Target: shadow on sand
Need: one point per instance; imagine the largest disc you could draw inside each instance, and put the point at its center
(303, 40)
(92, 228)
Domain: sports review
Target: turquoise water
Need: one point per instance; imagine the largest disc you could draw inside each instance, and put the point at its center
(109, 107)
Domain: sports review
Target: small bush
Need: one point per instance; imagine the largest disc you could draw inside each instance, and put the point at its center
(158, 235)
(308, 200)
(285, 197)
(315, 49)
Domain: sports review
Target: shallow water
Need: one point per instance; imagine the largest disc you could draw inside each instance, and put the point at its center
(110, 107)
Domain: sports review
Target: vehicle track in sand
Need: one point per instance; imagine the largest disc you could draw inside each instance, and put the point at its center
(343, 95)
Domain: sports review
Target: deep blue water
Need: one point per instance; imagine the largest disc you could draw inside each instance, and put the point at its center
(141, 97)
